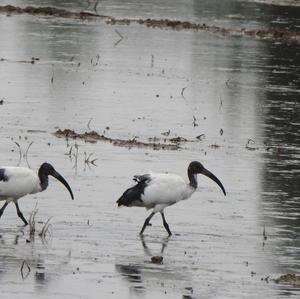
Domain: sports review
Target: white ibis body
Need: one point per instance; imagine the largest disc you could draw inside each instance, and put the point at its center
(16, 182)
(159, 190)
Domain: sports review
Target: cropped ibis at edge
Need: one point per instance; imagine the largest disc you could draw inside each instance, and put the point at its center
(159, 190)
(16, 182)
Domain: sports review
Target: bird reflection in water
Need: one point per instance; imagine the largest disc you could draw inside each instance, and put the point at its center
(164, 243)
(135, 273)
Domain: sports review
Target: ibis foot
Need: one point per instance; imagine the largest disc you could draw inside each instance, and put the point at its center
(166, 225)
(20, 214)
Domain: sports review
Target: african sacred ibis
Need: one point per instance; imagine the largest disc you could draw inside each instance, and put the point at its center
(159, 190)
(16, 182)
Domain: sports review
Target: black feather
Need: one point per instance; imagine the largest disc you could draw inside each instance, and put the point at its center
(142, 178)
(133, 195)
(3, 176)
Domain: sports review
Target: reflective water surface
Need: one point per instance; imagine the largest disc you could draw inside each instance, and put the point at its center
(241, 93)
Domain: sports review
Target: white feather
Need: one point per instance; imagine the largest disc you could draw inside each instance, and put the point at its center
(21, 181)
(165, 189)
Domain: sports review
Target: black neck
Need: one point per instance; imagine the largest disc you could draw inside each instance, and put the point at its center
(43, 178)
(193, 179)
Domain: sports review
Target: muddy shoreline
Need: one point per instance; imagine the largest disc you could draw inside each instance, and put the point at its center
(265, 34)
(93, 137)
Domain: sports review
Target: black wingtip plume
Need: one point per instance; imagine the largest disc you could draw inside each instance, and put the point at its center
(123, 201)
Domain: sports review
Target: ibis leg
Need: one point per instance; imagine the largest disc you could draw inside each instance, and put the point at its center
(3, 208)
(146, 222)
(166, 225)
(20, 214)
(146, 248)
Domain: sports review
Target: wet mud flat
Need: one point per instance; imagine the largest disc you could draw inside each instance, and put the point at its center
(269, 34)
(93, 136)
(290, 279)
(224, 95)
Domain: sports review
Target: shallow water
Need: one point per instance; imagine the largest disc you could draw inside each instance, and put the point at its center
(241, 93)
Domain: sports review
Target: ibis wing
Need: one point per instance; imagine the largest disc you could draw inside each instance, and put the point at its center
(17, 182)
(165, 189)
(3, 175)
(132, 196)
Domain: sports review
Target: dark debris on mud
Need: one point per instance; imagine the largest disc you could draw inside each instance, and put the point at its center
(93, 136)
(157, 259)
(46, 11)
(291, 279)
(268, 34)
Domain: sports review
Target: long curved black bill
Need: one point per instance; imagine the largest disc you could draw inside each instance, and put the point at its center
(63, 181)
(214, 178)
